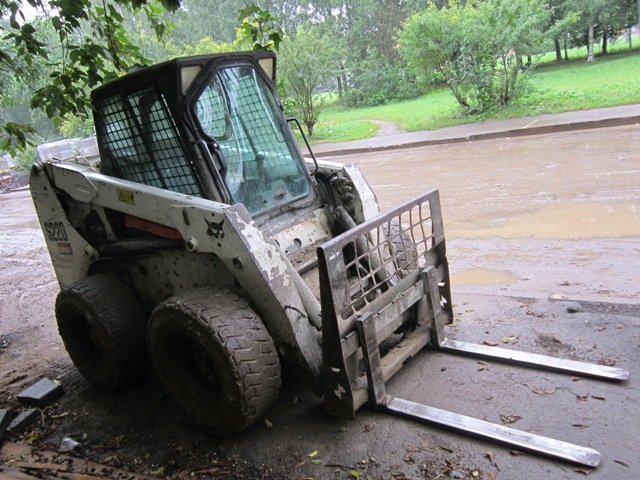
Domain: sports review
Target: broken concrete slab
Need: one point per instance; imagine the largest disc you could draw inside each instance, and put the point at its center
(5, 419)
(68, 444)
(41, 393)
(23, 420)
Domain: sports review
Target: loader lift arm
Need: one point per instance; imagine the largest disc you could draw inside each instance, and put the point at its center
(378, 280)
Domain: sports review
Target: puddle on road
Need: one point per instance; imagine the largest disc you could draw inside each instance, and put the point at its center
(559, 221)
(482, 277)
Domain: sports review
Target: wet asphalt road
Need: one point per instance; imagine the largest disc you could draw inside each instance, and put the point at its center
(535, 225)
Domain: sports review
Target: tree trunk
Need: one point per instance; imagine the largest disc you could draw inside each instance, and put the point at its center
(339, 79)
(566, 51)
(604, 41)
(556, 42)
(528, 60)
(590, 57)
(630, 29)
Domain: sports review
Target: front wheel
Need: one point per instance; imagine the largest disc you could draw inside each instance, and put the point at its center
(213, 355)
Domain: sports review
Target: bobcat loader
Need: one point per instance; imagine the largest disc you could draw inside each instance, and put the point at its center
(207, 246)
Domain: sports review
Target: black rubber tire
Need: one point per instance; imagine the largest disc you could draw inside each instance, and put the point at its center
(103, 328)
(213, 355)
(405, 250)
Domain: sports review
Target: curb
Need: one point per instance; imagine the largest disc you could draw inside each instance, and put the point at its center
(517, 132)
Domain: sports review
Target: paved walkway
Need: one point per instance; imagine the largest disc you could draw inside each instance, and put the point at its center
(539, 124)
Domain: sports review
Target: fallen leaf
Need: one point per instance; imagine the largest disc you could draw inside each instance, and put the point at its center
(408, 458)
(491, 476)
(607, 362)
(60, 415)
(620, 462)
(508, 419)
(483, 366)
(158, 472)
(531, 313)
(581, 426)
(267, 423)
(355, 474)
(510, 339)
(34, 437)
(543, 391)
(576, 379)
(598, 397)
(316, 461)
(514, 453)
(583, 398)
(584, 471)
(489, 343)
(490, 455)
(446, 449)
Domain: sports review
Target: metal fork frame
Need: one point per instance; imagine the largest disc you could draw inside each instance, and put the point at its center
(474, 427)
(424, 295)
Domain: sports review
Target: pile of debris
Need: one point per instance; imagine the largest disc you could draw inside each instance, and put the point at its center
(19, 461)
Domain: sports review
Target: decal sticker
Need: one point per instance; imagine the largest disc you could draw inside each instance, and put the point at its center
(215, 229)
(125, 196)
(64, 248)
(55, 232)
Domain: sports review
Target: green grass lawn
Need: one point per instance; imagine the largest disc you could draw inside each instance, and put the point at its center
(553, 87)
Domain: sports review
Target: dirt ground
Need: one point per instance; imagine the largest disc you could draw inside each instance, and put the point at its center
(536, 226)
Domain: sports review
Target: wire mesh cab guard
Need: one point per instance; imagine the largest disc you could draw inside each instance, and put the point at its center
(385, 295)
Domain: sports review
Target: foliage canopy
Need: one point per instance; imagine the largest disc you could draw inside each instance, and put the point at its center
(307, 61)
(475, 46)
(87, 44)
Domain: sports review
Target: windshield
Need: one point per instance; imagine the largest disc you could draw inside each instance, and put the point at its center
(262, 168)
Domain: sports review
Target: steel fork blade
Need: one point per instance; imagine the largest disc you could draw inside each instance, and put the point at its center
(496, 433)
(535, 360)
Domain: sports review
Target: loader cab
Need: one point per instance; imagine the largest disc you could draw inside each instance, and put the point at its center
(208, 126)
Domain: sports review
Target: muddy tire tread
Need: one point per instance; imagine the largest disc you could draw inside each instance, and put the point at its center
(109, 303)
(244, 339)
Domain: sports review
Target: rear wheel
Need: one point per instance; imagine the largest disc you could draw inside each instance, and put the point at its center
(103, 328)
(213, 355)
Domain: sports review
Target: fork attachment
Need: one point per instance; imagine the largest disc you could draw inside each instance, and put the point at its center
(385, 296)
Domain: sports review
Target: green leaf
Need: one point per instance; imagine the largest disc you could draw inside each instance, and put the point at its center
(248, 11)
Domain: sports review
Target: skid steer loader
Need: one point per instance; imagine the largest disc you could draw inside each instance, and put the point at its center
(207, 246)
